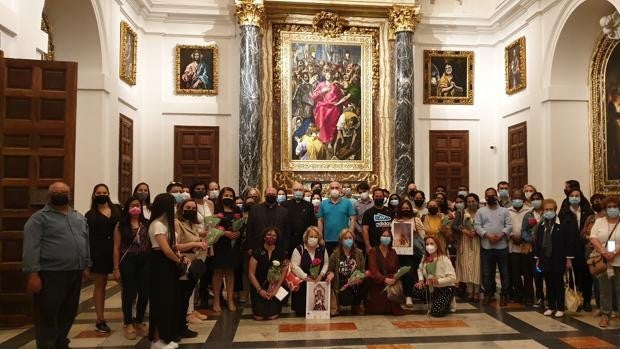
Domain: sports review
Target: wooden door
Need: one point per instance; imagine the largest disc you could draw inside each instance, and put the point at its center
(449, 160)
(196, 153)
(517, 155)
(37, 148)
(125, 158)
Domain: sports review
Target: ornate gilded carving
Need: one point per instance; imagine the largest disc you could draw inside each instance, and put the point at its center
(128, 54)
(515, 66)
(404, 18)
(45, 27)
(286, 179)
(328, 24)
(249, 12)
(611, 25)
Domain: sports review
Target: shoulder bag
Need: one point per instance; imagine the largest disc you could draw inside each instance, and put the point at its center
(596, 261)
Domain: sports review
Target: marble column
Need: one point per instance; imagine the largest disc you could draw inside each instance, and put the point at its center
(403, 20)
(250, 15)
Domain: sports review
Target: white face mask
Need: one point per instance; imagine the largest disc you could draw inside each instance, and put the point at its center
(213, 194)
(334, 193)
(308, 198)
(185, 195)
(312, 242)
(316, 202)
(431, 249)
(364, 195)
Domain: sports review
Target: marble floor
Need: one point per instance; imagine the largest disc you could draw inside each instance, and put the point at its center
(472, 326)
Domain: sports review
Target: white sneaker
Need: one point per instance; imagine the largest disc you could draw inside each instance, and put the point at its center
(453, 305)
(409, 302)
(559, 314)
(548, 312)
(171, 345)
(158, 345)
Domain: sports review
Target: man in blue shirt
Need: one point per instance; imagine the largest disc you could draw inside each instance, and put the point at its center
(56, 255)
(334, 215)
(494, 225)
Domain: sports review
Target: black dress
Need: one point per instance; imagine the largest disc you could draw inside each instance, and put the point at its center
(226, 252)
(261, 306)
(101, 234)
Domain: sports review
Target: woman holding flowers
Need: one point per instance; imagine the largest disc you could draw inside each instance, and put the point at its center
(266, 276)
(309, 262)
(468, 252)
(382, 265)
(346, 272)
(436, 278)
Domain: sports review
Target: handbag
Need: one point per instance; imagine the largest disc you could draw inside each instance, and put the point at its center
(395, 293)
(572, 298)
(596, 262)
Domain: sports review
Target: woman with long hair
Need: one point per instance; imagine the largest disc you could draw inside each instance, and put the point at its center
(342, 263)
(265, 305)
(382, 265)
(143, 192)
(468, 251)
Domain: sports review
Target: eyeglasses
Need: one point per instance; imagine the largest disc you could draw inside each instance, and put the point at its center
(176, 183)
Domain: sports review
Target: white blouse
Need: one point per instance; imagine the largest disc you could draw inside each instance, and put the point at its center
(601, 230)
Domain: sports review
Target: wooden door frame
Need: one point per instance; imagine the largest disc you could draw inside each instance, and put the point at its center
(177, 162)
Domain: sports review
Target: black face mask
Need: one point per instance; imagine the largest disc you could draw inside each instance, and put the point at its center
(418, 203)
(491, 200)
(406, 213)
(597, 207)
(200, 194)
(433, 210)
(270, 199)
(378, 202)
(190, 215)
(411, 193)
(59, 199)
(101, 199)
(228, 202)
(142, 196)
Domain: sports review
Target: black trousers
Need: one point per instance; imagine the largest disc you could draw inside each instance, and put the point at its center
(164, 297)
(134, 282)
(555, 290)
(55, 307)
(186, 288)
(522, 275)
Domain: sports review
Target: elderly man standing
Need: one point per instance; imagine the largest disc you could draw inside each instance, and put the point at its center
(268, 214)
(334, 215)
(300, 215)
(56, 256)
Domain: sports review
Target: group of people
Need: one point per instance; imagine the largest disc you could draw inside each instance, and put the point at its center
(190, 243)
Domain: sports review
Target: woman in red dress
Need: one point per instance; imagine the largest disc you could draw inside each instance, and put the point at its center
(327, 99)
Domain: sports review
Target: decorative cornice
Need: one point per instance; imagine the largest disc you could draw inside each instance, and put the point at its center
(611, 25)
(328, 24)
(404, 18)
(250, 12)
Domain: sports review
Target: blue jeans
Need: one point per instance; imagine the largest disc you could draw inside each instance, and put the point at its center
(491, 259)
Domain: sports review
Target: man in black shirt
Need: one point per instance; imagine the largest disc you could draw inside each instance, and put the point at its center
(375, 218)
(268, 214)
(300, 215)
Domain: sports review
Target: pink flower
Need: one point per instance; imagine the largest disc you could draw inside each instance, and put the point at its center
(237, 216)
(532, 221)
(316, 262)
(220, 215)
(368, 273)
(219, 227)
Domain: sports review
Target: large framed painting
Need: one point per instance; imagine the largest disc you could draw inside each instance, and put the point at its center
(128, 54)
(448, 77)
(605, 116)
(515, 66)
(196, 70)
(326, 101)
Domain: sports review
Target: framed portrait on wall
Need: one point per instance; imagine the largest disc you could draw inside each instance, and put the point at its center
(128, 54)
(448, 77)
(515, 66)
(317, 300)
(196, 70)
(403, 237)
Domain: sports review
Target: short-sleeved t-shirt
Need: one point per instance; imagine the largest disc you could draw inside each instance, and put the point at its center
(335, 217)
(376, 219)
(157, 227)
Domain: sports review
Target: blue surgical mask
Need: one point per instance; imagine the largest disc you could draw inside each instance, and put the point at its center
(574, 200)
(386, 240)
(348, 243)
(281, 198)
(298, 195)
(503, 193)
(517, 203)
(178, 197)
(459, 205)
(613, 212)
(462, 193)
(536, 203)
(393, 202)
(549, 215)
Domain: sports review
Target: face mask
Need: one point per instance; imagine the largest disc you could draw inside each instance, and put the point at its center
(312, 242)
(406, 213)
(348, 243)
(213, 194)
(418, 203)
(101, 199)
(412, 193)
(190, 215)
(433, 210)
(431, 249)
(298, 195)
(528, 194)
(240, 206)
(503, 193)
(394, 203)
(178, 197)
(379, 202)
(347, 191)
(459, 205)
(596, 207)
(134, 211)
(270, 199)
(574, 200)
(316, 202)
(549, 215)
(517, 203)
(536, 203)
(462, 193)
(270, 240)
(316, 191)
(364, 195)
(334, 193)
(281, 198)
(613, 212)
(386, 240)
(200, 194)
(473, 206)
(228, 202)
(491, 200)
(142, 196)
(307, 198)
(59, 199)
(185, 195)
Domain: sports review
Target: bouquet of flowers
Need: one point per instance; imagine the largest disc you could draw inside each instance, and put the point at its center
(526, 247)
(315, 268)
(355, 278)
(215, 230)
(401, 271)
(274, 274)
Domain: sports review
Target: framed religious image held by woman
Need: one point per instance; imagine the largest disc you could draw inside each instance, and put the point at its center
(128, 54)
(196, 69)
(515, 66)
(448, 77)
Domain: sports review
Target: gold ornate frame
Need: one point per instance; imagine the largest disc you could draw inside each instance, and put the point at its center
(287, 38)
(469, 86)
(598, 118)
(126, 31)
(522, 65)
(177, 64)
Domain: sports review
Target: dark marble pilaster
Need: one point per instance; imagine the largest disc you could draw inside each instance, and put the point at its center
(403, 119)
(249, 109)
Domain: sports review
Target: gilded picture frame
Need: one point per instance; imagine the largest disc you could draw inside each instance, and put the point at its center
(448, 77)
(128, 54)
(335, 154)
(196, 69)
(515, 66)
(605, 116)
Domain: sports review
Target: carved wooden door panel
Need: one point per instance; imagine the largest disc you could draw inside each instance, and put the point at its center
(449, 160)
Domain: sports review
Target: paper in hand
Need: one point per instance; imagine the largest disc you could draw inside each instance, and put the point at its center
(282, 292)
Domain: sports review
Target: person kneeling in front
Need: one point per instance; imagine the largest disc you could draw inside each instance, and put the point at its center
(437, 278)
